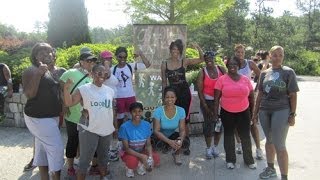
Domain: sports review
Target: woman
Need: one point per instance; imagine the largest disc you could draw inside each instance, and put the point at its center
(96, 124)
(246, 68)
(42, 110)
(135, 136)
(276, 104)
(79, 76)
(167, 119)
(235, 94)
(174, 71)
(206, 81)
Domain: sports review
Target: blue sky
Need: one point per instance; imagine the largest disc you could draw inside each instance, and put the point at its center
(23, 14)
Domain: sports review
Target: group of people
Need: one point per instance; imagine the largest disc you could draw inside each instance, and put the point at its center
(231, 98)
(97, 102)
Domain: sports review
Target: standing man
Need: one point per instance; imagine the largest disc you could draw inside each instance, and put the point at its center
(42, 111)
(5, 87)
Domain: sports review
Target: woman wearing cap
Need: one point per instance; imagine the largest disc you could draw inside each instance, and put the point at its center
(174, 71)
(246, 68)
(79, 76)
(234, 92)
(206, 81)
(96, 124)
(276, 105)
(106, 60)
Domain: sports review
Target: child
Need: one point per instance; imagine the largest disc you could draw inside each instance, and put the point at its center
(135, 135)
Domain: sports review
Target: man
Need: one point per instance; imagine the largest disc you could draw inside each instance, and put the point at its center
(5, 87)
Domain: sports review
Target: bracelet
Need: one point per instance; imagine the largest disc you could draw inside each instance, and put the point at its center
(293, 114)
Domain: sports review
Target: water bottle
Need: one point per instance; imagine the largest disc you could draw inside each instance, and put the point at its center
(192, 88)
(218, 125)
(149, 163)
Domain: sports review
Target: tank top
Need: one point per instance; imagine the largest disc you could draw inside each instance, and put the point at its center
(209, 83)
(177, 76)
(245, 70)
(47, 102)
(3, 81)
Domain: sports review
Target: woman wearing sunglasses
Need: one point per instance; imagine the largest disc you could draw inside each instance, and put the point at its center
(96, 124)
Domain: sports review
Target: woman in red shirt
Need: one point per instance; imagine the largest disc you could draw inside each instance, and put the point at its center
(206, 81)
(235, 94)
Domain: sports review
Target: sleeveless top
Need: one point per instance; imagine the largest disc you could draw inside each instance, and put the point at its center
(47, 102)
(209, 83)
(3, 81)
(177, 76)
(245, 70)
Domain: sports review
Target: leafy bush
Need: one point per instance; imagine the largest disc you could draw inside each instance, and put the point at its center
(304, 62)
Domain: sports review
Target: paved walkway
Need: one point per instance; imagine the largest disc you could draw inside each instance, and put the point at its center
(303, 143)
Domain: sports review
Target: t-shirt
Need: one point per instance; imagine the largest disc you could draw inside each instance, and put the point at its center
(124, 76)
(246, 71)
(98, 102)
(234, 94)
(75, 75)
(136, 135)
(168, 126)
(112, 82)
(276, 84)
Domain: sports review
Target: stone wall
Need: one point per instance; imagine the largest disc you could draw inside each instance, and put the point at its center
(14, 111)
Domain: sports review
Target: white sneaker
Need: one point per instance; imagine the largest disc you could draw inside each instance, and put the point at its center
(76, 161)
(238, 148)
(215, 151)
(230, 166)
(141, 170)
(252, 166)
(259, 154)
(129, 173)
(209, 153)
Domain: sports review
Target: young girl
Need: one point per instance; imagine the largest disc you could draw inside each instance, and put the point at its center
(135, 135)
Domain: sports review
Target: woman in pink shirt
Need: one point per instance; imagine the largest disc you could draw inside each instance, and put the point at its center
(235, 93)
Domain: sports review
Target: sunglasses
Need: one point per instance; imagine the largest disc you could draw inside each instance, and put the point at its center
(102, 74)
(122, 57)
(90, 60)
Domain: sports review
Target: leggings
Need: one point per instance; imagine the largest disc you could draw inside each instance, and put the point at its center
(275, 127)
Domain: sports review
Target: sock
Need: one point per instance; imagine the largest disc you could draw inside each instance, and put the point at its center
(271, 165)
(284, 177)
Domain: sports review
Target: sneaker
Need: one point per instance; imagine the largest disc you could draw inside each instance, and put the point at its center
(29, 166)
(165, 149)
(71, 172)
(267, 173)
(238, 148)
(94, 170)
(177, 159)
(76, 161)
(129, 173)
(259, 154)
(230, 166)
(209, 153)
(215, 152)
(252, 166)
(113, 155)
(141, 170)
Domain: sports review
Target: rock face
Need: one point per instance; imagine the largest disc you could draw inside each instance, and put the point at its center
(14, 111)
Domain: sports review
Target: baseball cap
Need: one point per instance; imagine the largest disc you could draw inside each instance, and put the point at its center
(85, 50)
(210, 54)
(106, 54)
(87, 56)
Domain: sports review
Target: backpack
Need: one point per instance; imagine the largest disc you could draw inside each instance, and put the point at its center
(129, 66)
(218, 68)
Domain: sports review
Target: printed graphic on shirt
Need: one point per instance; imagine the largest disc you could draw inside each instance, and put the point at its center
(107, 103)
(273, 80)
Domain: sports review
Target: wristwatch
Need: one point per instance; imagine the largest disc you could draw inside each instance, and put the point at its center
(293, 114)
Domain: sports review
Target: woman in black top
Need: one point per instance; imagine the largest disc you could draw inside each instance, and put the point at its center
(174, 71)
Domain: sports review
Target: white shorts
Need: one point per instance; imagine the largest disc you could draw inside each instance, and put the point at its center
(48, 142)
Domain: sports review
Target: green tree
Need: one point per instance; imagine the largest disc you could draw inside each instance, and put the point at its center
(68, 23)
(191, 12)
(311, 11)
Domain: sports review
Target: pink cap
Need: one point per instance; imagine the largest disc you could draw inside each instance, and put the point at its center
(106, 54)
